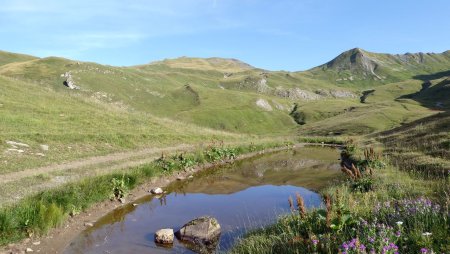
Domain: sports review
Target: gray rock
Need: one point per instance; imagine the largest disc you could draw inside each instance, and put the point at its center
(203, 230)
(69, 81)
(164, 236)
(44, 147)
(156, 191)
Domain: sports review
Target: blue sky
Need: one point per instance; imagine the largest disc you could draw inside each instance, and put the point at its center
(275, 35)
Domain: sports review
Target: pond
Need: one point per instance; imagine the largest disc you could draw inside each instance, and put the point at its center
(242, 196)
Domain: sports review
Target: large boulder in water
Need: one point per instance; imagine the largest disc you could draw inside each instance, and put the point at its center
(203, 233)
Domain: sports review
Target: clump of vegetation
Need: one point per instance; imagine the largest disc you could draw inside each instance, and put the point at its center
(298, 116)
(119, 187)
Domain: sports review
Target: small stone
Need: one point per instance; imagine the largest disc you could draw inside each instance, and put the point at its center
(29, 250)
(122, 200)
(135, 204)
(89, 224)
(180, 178)
(190, 177)
(16, 144)
(37, 243)
(44, 147)
(157, 191)
(40, 154)
(164, 236)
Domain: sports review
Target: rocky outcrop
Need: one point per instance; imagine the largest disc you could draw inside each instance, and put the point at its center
(263, 104)
(164, 236)
(69, 82)
(295, 94)
(335, 93)
(202, 233)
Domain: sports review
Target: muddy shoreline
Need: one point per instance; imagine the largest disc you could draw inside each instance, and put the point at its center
(59, 238)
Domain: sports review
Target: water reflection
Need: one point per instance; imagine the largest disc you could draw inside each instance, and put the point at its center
(243, 196)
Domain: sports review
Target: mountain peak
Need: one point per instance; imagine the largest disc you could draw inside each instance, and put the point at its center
(356, 60)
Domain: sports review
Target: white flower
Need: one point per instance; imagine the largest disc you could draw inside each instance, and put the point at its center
(399, 223)
(427, 234)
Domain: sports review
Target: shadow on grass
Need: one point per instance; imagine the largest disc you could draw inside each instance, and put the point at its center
(433, 96)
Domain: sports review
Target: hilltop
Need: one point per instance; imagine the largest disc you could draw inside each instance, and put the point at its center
(213, 63)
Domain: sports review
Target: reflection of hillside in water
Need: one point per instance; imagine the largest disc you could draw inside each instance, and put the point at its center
(309, 167)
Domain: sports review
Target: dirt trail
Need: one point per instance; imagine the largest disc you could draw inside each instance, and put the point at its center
(130, 158)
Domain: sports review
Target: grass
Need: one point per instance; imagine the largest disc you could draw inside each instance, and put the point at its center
(422, 146)
(75, 127)
(37, 214)
(400, 213)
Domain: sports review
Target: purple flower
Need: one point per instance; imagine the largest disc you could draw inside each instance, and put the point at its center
(345, 246)
(423, 250)
(362, 247)
(314, 241)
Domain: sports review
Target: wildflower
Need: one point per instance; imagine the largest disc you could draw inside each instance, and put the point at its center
(423, 250)
(315, 242)
(345, 246)
(398, 234)
(399, 223)
(362, 247)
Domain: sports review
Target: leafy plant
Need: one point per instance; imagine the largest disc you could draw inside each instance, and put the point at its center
(119, 187)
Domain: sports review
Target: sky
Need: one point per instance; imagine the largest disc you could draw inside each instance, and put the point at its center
(275, 35)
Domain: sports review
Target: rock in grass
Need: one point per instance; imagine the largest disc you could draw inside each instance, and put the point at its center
(203, 230)
(164, 236)
(156, 191)
(29, 250)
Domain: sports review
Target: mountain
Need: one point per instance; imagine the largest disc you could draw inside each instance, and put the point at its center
(368, 68)
(213, 63)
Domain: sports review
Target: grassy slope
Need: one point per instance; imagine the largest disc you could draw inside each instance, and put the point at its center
(76, 126)
(161, 91)
(382, 111)
(7, 57)
(422, 145)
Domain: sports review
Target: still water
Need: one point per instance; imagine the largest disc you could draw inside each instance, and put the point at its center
(242, 196)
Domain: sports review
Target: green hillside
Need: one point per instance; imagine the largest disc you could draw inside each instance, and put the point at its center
(188, 99)
(7, 57)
